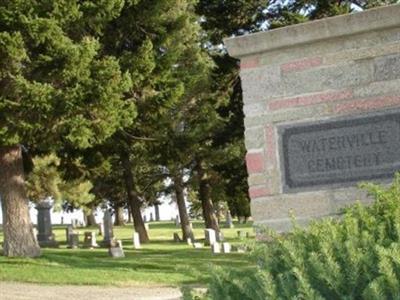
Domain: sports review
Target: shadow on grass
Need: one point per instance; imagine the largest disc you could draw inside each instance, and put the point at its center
(193, 265)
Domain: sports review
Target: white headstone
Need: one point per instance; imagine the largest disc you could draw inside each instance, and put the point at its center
(116, 249)
(146, 226)
(216, 248)
(197, 245)
(226, 248)
(90, 240)
(210, 237)
(136, 241)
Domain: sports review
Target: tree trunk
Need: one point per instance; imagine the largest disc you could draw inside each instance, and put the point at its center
(183, 214)
(119, 216)
(210, 219)
(157, 211)
(19, 239)
(133, 199)
(90, 219)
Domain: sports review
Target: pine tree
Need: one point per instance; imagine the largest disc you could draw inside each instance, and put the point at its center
(56, 88)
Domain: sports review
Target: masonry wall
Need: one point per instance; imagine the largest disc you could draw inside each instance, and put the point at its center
(341, 66)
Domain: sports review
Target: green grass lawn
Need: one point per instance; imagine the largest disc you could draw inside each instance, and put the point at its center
(159, 262)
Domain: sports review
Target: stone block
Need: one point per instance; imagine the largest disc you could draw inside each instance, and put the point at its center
(116, 250)
(387, 67)
(216, 248)
(90, 240)
(254, 137)
(197, 245)
(68, 231)
(301, 65)
(210, 236)
(73, 241)
(226, 248)
(261, 83)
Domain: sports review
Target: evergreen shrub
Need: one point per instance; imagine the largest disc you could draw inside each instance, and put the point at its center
(356, 256)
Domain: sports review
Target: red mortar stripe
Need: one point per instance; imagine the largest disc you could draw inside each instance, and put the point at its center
(270, 146)
(310, 99)
(367, 104)
(255, 162)
(257, 192)
(248, 63)
(301, 65)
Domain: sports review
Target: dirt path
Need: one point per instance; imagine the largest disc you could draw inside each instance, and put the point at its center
(27, 291)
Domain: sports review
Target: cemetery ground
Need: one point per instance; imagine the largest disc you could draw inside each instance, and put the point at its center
(160, 262)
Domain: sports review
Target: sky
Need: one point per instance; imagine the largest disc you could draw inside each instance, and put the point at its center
(167, 212)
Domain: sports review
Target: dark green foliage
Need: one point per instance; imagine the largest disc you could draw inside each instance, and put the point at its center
(355, 257)
(56, 86)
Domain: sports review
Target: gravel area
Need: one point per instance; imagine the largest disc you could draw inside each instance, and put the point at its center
(28, 291)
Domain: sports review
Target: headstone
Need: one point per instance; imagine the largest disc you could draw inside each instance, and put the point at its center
(177, 239)
(241, 249)
(157, 211)
(68, 231)
(189, 241)
(191, 225)
(136, 240)
(177, 222)
(229, 221)
(115, 250)
(108, 229)
(151, 217)
(241, 234)
(101, 228)
(216, 248)
(226, 248)
(73, 241)
(197, 245)
(210, 237)
(146, 226)
(90, 240)
(45, 234)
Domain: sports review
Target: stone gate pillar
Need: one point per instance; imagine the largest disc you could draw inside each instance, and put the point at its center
(322, 113)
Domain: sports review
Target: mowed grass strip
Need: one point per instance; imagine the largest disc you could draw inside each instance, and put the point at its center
(159, 262)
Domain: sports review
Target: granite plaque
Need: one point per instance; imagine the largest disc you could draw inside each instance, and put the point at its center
(341, 151)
